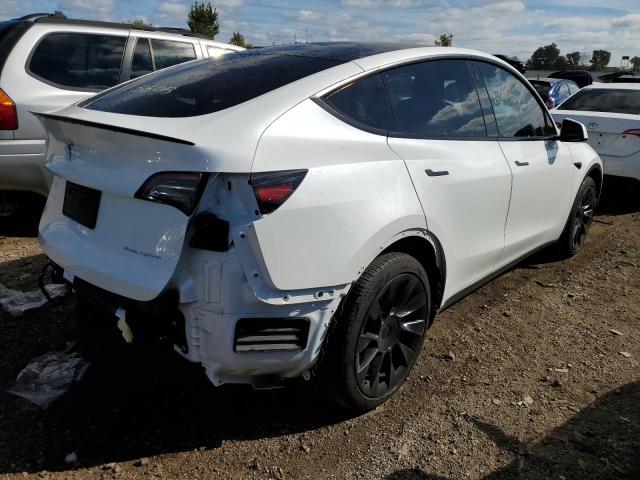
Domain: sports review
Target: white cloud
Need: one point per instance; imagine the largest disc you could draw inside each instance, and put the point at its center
(305, 16)
(95, 9)
(227, 3)
(417, 38)
(171, 13)
(378, 3)
(631, 20)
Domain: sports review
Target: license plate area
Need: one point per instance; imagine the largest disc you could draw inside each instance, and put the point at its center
(81, 204)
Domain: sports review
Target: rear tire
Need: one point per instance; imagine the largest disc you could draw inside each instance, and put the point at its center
(378, 333)
(579, 221)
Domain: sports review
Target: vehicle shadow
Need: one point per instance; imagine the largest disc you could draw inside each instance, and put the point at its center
(620, 196)
(600, 442)
(20, 213)
(135, 404)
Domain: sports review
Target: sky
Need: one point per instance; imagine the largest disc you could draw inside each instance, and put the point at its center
(508, 27)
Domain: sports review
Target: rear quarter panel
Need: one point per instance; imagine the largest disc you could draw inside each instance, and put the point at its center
(356, 197)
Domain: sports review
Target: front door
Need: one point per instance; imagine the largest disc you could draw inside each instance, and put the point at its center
(460, 174)
(542, 166)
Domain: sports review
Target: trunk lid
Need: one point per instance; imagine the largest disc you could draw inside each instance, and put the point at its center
(606, 131)
(135, 245)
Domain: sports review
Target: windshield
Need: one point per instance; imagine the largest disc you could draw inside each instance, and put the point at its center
(210, 85)
(604, 100)
(542, 88)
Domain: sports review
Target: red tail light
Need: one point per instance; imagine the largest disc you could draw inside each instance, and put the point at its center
(273, 188)
(178, 189)
(633, 131)
(8, 114)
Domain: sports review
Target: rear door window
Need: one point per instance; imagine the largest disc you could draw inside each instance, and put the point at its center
(152, 54)
(364, 102)
(78, 61)
(167, 53)
(604, 100)
(517, 112)
(142, 63)
(435, 99)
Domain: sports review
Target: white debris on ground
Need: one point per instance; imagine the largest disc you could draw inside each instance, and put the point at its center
(49, 376)
(16, 302)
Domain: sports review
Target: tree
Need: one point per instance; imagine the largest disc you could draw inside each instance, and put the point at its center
(238, 39)
(446, 40)
(635, 61)
(138, 23)
(585, 59)
(600, 59)
(573, 59)
(204, 20)
(546, 58)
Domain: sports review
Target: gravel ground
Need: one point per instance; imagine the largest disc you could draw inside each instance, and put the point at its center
(534, 376)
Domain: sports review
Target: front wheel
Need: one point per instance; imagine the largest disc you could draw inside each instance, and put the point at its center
(378, 334)
(580, 218)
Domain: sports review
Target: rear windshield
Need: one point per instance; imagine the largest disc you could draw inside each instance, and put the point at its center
(604, 100)
(210, 85)
(542, 88)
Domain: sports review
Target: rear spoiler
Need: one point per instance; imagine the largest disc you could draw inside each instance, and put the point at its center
(112, 128)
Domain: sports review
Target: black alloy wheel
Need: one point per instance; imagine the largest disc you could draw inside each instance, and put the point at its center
(391, 336)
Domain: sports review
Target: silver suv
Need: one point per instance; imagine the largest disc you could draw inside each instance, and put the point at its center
(48, 62)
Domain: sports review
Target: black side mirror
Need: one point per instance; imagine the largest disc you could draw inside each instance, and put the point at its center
(572, 131)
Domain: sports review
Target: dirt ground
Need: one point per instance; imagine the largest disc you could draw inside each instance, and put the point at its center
(522, 379)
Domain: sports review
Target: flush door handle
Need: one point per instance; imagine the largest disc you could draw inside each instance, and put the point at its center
(436, 173)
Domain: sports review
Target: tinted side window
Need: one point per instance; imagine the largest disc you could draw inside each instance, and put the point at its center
(79, 60)
(364, 101)
(435, 98)
(167, 53)
(517, 112)
(142, 63)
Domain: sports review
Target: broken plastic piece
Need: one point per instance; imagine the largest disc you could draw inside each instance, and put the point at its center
(16, 302)
(49, 376)
(124, 326)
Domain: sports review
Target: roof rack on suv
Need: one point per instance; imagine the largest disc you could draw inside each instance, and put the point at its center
(181, 31)
(56, 14)
(61, 18)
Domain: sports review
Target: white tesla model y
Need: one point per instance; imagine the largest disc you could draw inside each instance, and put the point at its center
(306, 210)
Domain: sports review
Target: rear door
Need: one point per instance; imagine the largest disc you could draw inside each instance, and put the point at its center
(542, 166)
(459, 171)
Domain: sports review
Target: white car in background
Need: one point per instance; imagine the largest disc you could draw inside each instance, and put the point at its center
(611, 113)
(306, 210)
(48, 62)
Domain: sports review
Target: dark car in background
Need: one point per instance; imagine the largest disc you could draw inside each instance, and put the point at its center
(623, 76)
(554, 91)
(581, 77)
(514, 62)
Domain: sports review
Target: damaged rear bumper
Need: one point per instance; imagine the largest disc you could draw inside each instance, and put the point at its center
(236, 337)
